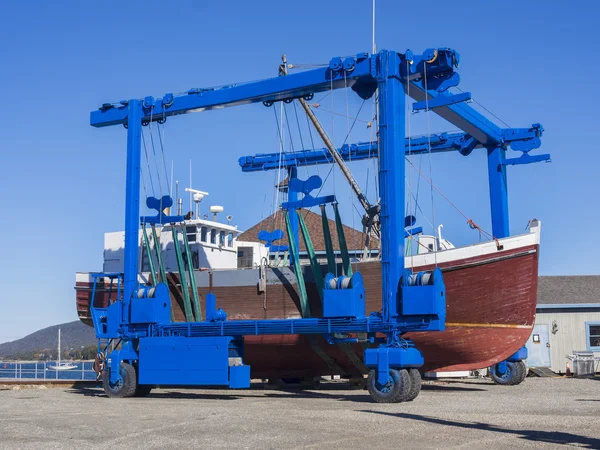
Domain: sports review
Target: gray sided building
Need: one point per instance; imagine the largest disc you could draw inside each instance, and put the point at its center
(567, 320)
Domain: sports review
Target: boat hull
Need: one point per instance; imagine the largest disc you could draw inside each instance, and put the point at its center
(490, 297)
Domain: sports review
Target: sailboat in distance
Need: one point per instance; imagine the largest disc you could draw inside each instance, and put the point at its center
(63, 365)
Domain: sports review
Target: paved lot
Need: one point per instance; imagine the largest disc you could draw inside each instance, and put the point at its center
(540, 413)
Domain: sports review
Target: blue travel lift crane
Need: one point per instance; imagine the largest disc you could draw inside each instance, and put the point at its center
(150, 349)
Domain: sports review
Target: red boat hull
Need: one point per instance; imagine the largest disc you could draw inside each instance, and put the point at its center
(490, 300)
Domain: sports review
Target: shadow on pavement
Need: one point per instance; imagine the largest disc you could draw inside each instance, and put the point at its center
(552, 437)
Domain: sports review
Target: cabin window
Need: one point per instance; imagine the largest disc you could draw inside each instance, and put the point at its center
(203, 234)
(593, 335)
(221, 238)
(230, 240)
(213, 236)
(245, 257)
(191, 233)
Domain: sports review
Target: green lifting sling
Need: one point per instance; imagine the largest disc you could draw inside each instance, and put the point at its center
(304, 306)
(187, 306)
(343, 247)
(196, 300)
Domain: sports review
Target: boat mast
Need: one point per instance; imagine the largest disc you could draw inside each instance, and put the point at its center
(58, 364)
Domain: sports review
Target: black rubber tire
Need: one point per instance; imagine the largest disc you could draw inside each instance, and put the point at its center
(395, 391)
(143, 390)
(523, 370)
(415, 384)
(126, 387)
(516, 373)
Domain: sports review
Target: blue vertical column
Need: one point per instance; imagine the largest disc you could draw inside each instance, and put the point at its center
(292, 197)
(391, 179)
(132, 204)
(498, 191)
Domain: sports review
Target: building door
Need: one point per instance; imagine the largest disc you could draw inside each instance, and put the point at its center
(538, 347)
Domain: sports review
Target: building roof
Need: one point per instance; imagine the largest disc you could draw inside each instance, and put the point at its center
(559, 290)
(354, 238)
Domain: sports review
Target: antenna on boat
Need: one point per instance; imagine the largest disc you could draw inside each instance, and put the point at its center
(190, 183)
(197, 196)
(215, 209)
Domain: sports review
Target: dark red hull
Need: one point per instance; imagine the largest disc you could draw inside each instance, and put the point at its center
(491, 302)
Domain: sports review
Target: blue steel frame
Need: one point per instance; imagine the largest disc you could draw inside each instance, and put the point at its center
(387, 71)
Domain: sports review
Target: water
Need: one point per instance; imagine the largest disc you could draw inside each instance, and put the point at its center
(84, 370)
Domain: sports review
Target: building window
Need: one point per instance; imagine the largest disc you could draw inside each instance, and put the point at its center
(213, 236)
(203, 234)
(191, 233)
(593, 335)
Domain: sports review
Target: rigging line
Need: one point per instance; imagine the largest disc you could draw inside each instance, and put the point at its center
(324, 97)
(429, 150)
(469, 221)
(148, 162)
(350, 160)
(489, 112)
(287, 122)
(278, 174)
(154, 152)
(162, 150)
(345, 140)
(319, 108)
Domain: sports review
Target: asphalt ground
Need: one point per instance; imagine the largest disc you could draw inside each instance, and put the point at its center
(539, 413)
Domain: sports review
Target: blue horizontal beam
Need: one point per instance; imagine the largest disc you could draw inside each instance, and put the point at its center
(371, 324)
(460, 115)
(442, 100)
(444, 142)
(359, 73)
(268, 90)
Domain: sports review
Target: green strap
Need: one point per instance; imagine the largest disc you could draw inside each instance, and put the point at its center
(328, 242)
(196, 300)
(304, 306)
(161, 267)
(187, 306)
(149, 254)
(343, 247)
(316, 268)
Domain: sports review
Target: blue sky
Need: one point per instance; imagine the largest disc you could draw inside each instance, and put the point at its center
(63, 181)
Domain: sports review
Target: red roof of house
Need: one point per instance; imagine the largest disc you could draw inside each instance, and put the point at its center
(354, 238)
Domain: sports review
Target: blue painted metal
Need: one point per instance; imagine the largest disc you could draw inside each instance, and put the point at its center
(270, 237)
(442, 100)
(413, 231)
(159, 205)
(132, 205)
(498, 192)
(344, 302)
(391, 180)
(526, 159)
(519, 355)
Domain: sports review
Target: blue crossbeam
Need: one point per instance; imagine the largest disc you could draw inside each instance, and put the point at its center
(356, 72)
(442, 100)
(269, 90)
(460, 115)
(444, 142)
(371, 324)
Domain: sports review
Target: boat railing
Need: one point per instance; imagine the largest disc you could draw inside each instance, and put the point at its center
(41, 370)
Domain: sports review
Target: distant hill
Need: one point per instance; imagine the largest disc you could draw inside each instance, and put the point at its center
(73, 335)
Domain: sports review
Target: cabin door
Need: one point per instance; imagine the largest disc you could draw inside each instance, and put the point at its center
(538, 347)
